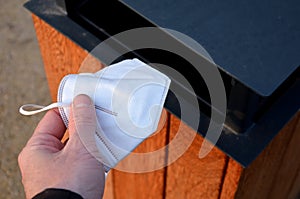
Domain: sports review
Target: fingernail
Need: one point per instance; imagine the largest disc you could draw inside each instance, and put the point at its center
(82, 101)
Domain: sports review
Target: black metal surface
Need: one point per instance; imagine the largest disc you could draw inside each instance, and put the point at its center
(264, 111)
(257, 38)
(53, 13)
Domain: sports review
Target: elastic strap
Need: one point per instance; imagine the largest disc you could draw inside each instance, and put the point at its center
(38, 109)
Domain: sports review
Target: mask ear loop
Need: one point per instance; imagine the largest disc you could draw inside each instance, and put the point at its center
(38, 108)
(24, 109)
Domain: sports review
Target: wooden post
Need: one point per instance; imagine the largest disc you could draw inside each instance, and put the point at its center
(274, 174)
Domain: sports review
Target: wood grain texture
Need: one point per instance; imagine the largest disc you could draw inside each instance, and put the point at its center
(189, 176)
(231, 179)
(60, 55)
(286, 176)
(295, 192)
(273, 173)
(148, 185)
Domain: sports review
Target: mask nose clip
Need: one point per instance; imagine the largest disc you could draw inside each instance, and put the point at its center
(106, 110)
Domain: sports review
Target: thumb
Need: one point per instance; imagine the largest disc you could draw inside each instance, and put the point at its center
(82, 125)
(82, 116)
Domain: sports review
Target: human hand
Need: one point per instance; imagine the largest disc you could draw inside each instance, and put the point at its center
(45, 162)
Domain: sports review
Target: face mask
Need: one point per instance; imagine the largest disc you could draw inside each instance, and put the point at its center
(128, 97)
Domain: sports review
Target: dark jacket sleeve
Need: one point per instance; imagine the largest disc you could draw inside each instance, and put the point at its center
(57, 194)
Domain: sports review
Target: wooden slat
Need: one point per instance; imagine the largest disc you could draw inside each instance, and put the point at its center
(189, 176)
(109, 190)
(272, 174)
(289, 169)
(294, 192)
(142, 185)
(60, 55)
(231, 179)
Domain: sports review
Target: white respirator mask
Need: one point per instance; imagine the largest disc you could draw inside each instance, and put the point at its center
(128, 98)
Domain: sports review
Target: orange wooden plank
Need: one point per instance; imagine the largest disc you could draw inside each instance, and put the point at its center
(189, 176)
(231, 179)
(109, 190)
(60, 55)
(286, 176)
(142, 185)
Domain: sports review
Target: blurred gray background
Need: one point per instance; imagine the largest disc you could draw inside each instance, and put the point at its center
(22, 80)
